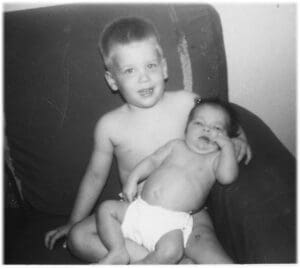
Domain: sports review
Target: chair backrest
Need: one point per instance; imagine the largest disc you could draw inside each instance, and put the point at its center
(55, 89)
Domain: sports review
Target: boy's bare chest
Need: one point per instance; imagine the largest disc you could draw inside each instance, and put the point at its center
(142, 137)
(154, 131)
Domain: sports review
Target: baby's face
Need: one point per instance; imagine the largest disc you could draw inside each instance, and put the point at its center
(207, 123)
(138, 71)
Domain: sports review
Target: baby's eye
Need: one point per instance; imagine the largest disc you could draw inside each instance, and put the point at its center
(199, 123)
(218, 128)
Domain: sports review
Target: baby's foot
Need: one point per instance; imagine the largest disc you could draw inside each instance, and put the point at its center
(115, 257)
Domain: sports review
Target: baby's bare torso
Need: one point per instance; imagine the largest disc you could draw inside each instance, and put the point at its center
(183, 180)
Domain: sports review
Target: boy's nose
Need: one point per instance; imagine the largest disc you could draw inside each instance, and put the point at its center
(144, 77)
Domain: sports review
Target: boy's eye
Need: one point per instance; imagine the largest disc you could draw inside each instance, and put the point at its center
(128, 71)
(152, 65)
(199, 123)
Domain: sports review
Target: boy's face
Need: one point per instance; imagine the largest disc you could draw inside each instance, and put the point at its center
(207, 123)
(138, 71)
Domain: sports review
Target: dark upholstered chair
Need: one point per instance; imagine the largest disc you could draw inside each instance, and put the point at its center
(55, 92)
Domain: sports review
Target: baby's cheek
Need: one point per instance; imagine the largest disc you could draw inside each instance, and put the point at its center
(214, 134)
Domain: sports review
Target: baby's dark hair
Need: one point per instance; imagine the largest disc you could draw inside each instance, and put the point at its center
(124, 31)
(233, 126)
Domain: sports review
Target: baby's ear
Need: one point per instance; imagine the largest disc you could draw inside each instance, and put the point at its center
(111, 81)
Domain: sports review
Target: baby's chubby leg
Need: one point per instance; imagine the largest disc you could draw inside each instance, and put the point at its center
(109, 217)
(84, 242)
(168, 250)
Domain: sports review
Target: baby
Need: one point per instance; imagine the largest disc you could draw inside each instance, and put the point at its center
(176, 181)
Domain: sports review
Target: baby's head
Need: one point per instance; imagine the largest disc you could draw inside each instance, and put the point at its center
(124, 31)
(207, 119)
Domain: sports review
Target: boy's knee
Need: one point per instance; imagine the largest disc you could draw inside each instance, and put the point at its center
(202, 235)
(76, 237)
(204, 247)
(200, 241)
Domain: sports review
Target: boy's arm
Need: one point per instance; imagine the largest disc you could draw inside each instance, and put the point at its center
(225, 165)
(242, 148)
(96, 173)
(144, 169)
(91, 184)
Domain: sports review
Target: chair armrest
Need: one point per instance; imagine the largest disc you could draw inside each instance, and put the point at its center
(255, 216)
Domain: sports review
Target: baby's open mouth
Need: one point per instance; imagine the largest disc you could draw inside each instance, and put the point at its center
(205, 138)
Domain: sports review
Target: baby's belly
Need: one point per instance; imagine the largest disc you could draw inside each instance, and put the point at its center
(174, 193)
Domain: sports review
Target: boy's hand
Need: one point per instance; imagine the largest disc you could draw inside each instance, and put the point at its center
(242, 149)
(52, 236)
(129, 192)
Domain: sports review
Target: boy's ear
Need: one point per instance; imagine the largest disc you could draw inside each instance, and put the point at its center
(165, 68)
(111, 81)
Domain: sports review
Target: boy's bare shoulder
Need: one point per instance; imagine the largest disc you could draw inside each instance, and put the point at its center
(183, 96)
(110, 121)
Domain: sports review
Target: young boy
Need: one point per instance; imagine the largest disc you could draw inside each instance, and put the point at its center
(149, 119)
(178, 177)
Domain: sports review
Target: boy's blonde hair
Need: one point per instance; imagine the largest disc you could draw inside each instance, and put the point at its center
(124, 31)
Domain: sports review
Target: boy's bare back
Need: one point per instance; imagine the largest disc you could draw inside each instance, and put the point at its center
(135, 134)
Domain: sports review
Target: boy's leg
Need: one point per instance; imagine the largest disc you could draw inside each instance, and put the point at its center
(109, 217)
(168, 250)
(84, 243)
(203, 246)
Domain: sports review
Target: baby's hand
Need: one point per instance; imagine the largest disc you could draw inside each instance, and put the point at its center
(222, 140)
(129, 192)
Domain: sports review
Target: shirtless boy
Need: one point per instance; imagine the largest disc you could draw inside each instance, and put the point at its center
(149, 119)
(177, 179)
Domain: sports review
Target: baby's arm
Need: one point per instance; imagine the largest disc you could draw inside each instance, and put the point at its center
(144, 169)
(225, 165)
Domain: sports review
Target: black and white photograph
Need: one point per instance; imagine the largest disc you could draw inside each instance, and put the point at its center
(103, 101)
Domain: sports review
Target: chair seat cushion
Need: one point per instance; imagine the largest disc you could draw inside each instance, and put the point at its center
(24, 239)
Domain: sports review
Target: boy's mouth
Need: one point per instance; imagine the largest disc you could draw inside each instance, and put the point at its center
(146, 92)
